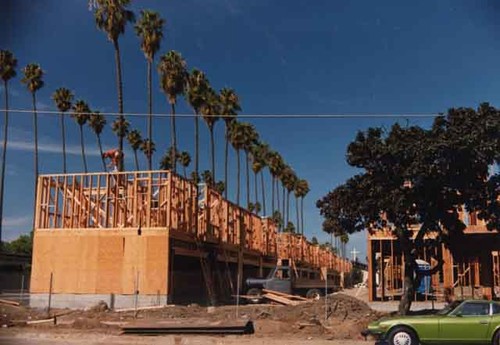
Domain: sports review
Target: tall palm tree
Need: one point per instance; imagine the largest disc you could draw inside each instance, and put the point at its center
(97, 121)
(33, 75)
(237, 139)
(149, 28)
(81, 114)
(173, 79)
(8, 64)
(198, 86)
(250, 138)
(112, 16)
(275, 164)
(210, 111)
(261, 151)
(148, 147)
(290, 182)
(135, 140)
(63, 98)
(230, 105)
(185, 160)
(301, 190)
(121, 128)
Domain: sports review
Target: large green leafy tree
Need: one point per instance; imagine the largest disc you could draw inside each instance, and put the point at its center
(210, 111)
(230, 105)
(8, 64)
(33, 75)
(173, 80)
(97, 122)
(112, 16)
(149, 28)
(81, 114)
(63, 98)
(413, 176)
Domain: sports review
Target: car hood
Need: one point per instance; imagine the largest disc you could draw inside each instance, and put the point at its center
(404, 319)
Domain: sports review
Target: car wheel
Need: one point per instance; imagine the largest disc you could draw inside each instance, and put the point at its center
(256, 295)
(402, 336)
(313, 294)
(496, 338)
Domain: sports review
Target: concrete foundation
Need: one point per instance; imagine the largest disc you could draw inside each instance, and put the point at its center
(82, 301)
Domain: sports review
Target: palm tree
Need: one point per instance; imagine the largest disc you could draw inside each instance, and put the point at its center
(198, 86)
(121, 128)
(290, 181)
(63, 99)
(301, 190)
(33, 75)
(250, 138)
(166, 161)
(81, 114)
(230, 105)
(262, 151)
(8, 64)
(185, 160)
(148, 147)
(236, 137)
(275, 164)
(112, 16)
(173, 79)
(210, 111)
(135, 140)
(97, 122)
(150, 30)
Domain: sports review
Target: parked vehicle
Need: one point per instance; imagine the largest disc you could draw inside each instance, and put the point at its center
(462, 322)
(288, 279)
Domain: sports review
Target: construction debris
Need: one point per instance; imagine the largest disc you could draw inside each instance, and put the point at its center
(13, 303)
(190, 326)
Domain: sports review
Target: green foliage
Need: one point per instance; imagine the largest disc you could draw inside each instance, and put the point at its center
(135, 139)
(63, 98)
(355, 276)
(33, 75)
(97, 122)
(173, 75)
(148, 147)
(81, 112)
(290, 227)
(206, 176)
(22, 245)
(8, 64)
(149, 28)
(220, 187)
(314, 240)
(277, 219)
(111, 16)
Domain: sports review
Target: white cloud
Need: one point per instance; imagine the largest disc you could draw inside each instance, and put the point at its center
(20, 221)
(47, 147)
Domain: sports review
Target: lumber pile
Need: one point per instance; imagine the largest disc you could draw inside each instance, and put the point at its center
(283, 298)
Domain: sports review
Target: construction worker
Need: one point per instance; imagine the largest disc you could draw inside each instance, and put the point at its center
(115, 156)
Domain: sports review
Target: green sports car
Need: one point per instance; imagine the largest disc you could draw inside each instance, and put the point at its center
(461, 322)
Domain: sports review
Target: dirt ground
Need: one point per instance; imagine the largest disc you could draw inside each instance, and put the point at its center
(345, 317)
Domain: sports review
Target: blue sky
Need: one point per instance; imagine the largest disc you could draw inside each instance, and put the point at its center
(282, 57)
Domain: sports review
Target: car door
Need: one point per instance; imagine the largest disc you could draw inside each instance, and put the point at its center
(469, 323)
(280, 281)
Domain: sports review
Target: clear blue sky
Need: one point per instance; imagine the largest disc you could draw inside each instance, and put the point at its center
(282, 57)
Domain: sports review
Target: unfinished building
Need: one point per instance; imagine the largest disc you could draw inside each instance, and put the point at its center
(150, 238)
(471, 266)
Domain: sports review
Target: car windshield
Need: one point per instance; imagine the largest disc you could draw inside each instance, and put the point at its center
(449, 308)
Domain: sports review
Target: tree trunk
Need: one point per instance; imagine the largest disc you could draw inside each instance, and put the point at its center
(120, 97)
(63, 135)
(150, 108)
(278, 204)
(100, 150)
(83, 150)
(263, 193)
(272, 195)
(288, 207)
(196, 144)
(256, 189)
(226, 160)
(35, 128)
(212, 153)
(238, 184)
(284, 207)
(248, 178)
(174, 138)
(184, 170)
(4, 157)
(136, 160)
(297, 214)
(302, 215)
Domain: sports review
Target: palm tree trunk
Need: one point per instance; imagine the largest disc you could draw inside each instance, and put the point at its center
(150, 108)
(263, 193)
(288, 207)
(238, 182)
(302, 214)
(100, 150)
(226, 160)
(35, 128)
(83, 150)
(256, 189)
(196, 144)
(272, 194)
(248, 178)
(184, 170)
(212, 153)
(120, 96)
(174, 138)
(136, 161)
(4, 157)
(297, 214)
(284, 209)
(278, 204)
(63, 135)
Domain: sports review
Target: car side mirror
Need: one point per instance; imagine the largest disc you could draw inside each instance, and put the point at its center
(458, 314)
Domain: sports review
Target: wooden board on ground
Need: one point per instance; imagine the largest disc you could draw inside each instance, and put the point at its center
(4, 301)
(279, 299)
(188, 326)
(282, 294)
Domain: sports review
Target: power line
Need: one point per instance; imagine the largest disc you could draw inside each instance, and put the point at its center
(252, 116)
